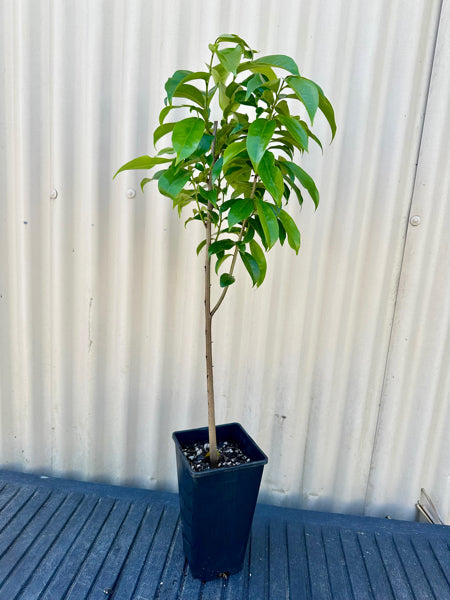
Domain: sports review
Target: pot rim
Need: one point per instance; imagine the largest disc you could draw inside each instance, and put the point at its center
(215, 472)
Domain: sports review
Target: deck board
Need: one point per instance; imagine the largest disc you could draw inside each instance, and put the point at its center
(62, 539)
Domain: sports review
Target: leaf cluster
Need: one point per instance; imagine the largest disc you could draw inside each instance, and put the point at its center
(238, 173)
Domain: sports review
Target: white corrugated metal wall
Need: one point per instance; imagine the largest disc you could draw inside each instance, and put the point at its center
(337, 365)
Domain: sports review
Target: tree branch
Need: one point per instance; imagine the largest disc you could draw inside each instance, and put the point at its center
(236, 249)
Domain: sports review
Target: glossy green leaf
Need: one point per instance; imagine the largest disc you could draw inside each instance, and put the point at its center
(305, 179)
(220, 245)
(233, 150)
(186, 136)
(142, 162)
(251, 265)
(297, 192)
(220, 74)
(220, 261)
(281, 233)
(254, 83)
(295, 129)
(230, 58)
(145, 181)
(209, 196)
(268, 221)
(293, 234)
(311, 134)
(173, 181)
(271, 176)
(259, 135)
(280, 61)
(226, 279)
(173, 82)
(216, 170)
(167, 109)
(249, 235)
(200, 247)
(258, 254)
(282, 108)
(240, 210)
(327, 110)
(190, 92)
(241, 97)
(162, 130)
(204, 146)
(232, 37)
(307, 91)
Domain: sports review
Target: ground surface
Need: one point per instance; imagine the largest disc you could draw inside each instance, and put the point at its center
(65, 539)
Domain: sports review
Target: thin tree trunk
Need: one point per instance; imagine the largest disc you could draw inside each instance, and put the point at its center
(213, 454)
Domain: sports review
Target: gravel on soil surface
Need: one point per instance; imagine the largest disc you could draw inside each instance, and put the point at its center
(230, 455)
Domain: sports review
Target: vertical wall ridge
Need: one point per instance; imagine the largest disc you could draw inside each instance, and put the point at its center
(101, 307)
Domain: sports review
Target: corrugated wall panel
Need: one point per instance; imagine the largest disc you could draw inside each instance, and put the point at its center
(100, 290)
(412, 435)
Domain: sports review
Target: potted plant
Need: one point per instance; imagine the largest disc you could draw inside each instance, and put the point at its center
(235, 173)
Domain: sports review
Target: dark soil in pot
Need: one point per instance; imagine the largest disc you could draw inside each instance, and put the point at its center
(230, 455)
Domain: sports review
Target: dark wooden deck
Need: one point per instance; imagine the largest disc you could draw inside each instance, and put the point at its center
(66, 539)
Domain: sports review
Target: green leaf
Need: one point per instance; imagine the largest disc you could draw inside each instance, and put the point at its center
(305, 179)
(297, 192)
(311, 134)
(200, 247)
(268, 221)
(254, 83)
(167, 109)
(293, 234)
(241, 97)
(307, 91)
(186, 136)
(161, 131)
(204, 145)
(190, 92)
(282, 108)
(258, 255)
(209, 196)
(216, 170)
(240, 210)
(259, 135)
(251, 265)
(280, 61)
(327, 110)
(142, 162)
(220, 74)
(249, 234)
(271, 176)
(226, 279)
(220, 261)
(233, 150)
(232, 37)
(282, 233)
(173, 181)
(220, 245)
(230, 58)
(295, 129)
(144, 182)
(173, 82)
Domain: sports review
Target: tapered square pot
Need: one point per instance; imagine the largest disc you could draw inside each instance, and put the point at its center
(217, 506)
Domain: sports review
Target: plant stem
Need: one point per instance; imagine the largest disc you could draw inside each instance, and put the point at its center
(233, 262)
(213, 454)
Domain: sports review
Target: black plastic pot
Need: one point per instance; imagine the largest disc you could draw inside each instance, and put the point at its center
(217, 506)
